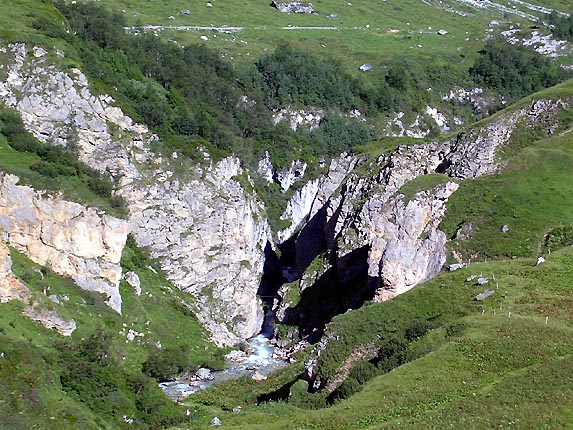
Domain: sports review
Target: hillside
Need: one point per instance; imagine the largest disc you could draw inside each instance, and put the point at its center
(381, 189)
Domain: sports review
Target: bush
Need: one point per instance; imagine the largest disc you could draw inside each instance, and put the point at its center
(349, 387)
(416, 329)
(166, 364)
(300, 396)
(364, 371)
(562, 26)
(337, 134)
(290, 76)
(456, 329)
(52, 170)
(100, 186)
(559, 237)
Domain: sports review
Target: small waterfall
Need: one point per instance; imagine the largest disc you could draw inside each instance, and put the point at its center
(261, 348)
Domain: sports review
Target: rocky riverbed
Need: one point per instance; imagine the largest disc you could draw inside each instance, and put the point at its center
(260, 359)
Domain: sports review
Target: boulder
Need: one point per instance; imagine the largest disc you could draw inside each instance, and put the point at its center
(204, 374)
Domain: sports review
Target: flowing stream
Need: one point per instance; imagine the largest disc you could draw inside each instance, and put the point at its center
(260, 360)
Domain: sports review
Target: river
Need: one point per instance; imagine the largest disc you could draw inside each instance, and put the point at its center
(260, 360)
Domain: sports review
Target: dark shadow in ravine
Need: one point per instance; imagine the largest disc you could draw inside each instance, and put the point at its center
(332, 294)
(281, 394)
(276, 271)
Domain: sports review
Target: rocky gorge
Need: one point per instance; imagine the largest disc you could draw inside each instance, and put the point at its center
(365, 220)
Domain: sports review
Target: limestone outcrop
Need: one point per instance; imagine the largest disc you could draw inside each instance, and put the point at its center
(406, 247)
(307, 201)
(368, 210)
(393, 216)
(50, 318)
(73, 240)
(209, 237)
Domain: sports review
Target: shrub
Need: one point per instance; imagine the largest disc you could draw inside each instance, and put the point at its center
(300, 396)
(166, 364)
(456, 329)
(349, 387)
(559, 237)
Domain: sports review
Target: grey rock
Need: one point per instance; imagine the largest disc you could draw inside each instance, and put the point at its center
(10, 287)
(203, 227)
(482, 281)
(310, 118)
(50, 319)
(204, 374)
(505, 228)
(484, 295)
(465, 232)
(215, 422)
(73, 240)
(293, 7)
(133, 279)
(255, 375)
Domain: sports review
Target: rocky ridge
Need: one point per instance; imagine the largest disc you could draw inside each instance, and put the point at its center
(209, 233)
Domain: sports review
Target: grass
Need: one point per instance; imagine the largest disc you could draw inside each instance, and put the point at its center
(422, 183)
(366, 32)
(498, 373)
(33, 395)
(532, 195)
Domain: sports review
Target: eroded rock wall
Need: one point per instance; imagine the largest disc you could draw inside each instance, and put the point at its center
(73, 240)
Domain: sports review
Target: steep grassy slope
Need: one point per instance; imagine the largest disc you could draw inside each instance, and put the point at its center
(94, 379)
(532, 195)
(486, 370)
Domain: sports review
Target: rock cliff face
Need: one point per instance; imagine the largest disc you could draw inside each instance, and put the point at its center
(10, 287)
(209, 236)
(365, 208)
(73, 240)
(207, 232)
(307, 201)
